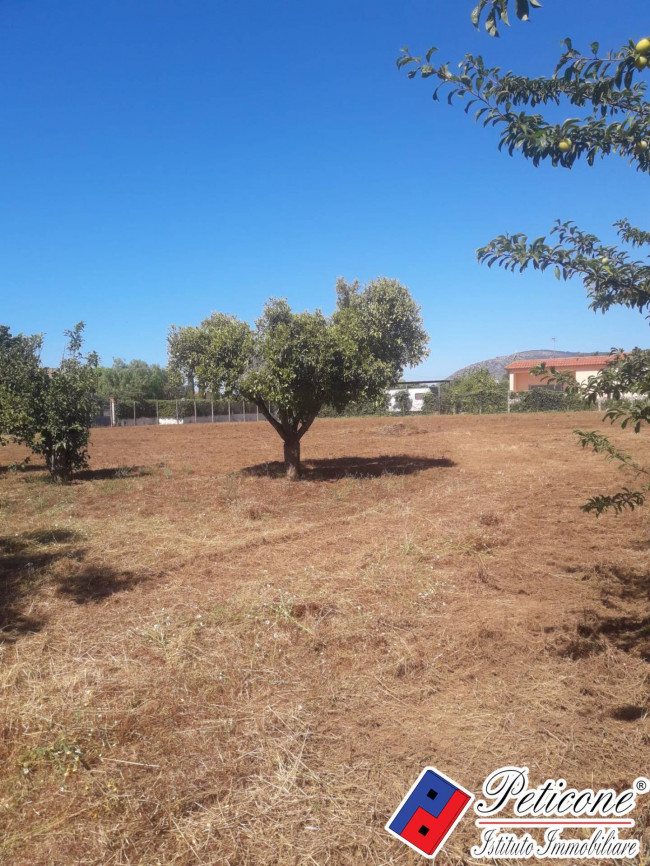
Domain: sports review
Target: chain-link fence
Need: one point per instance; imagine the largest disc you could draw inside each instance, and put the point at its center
(135, 413)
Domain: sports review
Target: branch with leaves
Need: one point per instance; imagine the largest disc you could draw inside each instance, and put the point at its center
(609, 96)
(625, 379)
(609, 273)
(624, 498)
(616, 119)
(498, 13)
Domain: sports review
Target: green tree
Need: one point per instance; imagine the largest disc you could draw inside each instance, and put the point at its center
(50, 411)
(183, 345)
(137, 382)
(609, 95)
(291, 365)
(475, 392)
(431, 401)
(20, 380)
(402, 402)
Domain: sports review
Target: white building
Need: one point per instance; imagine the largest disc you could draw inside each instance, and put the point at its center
(416, 391)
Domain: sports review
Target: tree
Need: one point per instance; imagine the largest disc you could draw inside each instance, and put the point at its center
(137, 382)
(292, 364)
(182, 345)
(50, 411)
(20, 379)
(431, 401)
(402, 402)
(477, 391)
(609, 95)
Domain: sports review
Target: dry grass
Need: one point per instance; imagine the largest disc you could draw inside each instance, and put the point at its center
(206, 664)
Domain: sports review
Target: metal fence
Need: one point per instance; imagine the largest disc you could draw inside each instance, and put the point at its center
(136, 413)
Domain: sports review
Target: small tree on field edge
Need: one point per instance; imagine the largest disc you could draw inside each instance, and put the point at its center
(50, 411)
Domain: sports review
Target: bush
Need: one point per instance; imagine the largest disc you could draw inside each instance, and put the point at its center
(545, 400)
(356, 410)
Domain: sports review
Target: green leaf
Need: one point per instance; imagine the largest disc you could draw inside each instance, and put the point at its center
(522, 9)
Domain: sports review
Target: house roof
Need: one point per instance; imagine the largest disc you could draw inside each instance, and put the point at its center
(584, 362)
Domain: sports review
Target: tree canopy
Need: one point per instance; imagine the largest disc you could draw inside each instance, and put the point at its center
(137, 381)
(477, 391)
(20, 376)
(608, 93)
(292, 364)
(50, 411)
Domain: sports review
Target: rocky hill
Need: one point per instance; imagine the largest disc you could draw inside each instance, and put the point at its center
(497, 366)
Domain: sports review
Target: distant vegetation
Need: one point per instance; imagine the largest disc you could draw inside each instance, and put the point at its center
(139, 383)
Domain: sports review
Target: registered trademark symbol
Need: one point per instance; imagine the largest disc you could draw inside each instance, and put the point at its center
(641, 784)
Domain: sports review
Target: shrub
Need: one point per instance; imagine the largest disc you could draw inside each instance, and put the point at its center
(545, 400)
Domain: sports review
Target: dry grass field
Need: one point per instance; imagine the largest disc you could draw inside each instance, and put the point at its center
(203, 663)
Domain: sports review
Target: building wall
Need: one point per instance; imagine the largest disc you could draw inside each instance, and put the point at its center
(521, 380)
(583, 375)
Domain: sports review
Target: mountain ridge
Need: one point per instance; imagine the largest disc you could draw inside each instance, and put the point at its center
(497, 366)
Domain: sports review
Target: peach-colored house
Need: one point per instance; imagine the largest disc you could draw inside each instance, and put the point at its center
(584, 367)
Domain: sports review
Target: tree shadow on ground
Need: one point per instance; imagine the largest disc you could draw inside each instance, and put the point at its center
(26, 562)
(627, 633)
(19, 468)
(23, 561)
(627, 590)
(352, 467)
(116, 472)
(93, 584)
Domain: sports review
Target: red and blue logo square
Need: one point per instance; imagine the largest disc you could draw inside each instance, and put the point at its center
(429, 812)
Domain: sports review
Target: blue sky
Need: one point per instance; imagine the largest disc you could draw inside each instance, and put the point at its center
(160, 160)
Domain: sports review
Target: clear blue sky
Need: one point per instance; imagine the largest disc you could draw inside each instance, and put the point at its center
(162, 159)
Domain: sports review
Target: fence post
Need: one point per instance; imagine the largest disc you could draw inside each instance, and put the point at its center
(177, 411)
(243, 408)
(134, 413)
(212, 410)
(157, 414)
(229, 418)
(195, 411)
(257, 412)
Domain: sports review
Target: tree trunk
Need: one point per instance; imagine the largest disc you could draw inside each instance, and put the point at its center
(292, 457)
(59, 466)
